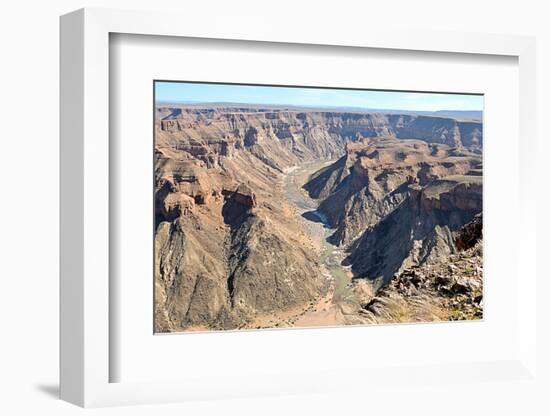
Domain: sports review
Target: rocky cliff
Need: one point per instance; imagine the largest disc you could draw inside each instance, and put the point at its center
(419, 230)
(226, 249)
(394, 203)
(377, 175)
(436, 291)
(282, 138)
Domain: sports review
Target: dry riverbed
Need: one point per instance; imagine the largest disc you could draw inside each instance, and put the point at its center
(339, 305)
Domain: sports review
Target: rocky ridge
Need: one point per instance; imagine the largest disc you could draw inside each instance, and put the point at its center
(376, 175)
(218, 243)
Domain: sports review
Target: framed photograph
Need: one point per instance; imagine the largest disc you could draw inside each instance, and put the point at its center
(286, 213)
(295, 207)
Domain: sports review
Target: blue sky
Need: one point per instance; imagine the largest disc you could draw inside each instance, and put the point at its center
(181, 92)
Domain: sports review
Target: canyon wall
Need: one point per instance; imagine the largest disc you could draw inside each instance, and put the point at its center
(281, 138)
(394, 203)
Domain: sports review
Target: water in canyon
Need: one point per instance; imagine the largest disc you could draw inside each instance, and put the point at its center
(340, 297)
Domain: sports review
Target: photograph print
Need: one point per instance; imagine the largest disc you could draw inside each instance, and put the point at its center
(297, 207)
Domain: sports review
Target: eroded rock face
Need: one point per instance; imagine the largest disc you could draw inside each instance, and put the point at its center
(397, 203)
(268, 273)
(284, 138)
(377, 175)
(175, 205)
(418, 231)
(238, 205)
(450, 290)
(226, 244)
(470, 234)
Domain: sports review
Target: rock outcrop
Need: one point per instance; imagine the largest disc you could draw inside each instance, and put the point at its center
(418, 231)
(470, 234)
(377, 175)
(449, 290)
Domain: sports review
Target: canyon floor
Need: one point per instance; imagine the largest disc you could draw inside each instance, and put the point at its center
(339, 305)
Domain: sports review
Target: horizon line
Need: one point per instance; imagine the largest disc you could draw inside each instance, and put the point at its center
(320, 106)
(212, 93)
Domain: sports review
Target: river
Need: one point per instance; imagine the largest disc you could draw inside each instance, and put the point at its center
(340, 298)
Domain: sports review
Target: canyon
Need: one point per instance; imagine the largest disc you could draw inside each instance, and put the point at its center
(278, 217)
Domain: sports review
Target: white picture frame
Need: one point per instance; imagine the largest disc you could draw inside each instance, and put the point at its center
(85, 166)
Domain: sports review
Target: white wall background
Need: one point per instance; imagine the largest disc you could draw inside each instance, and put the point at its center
(29, 56)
